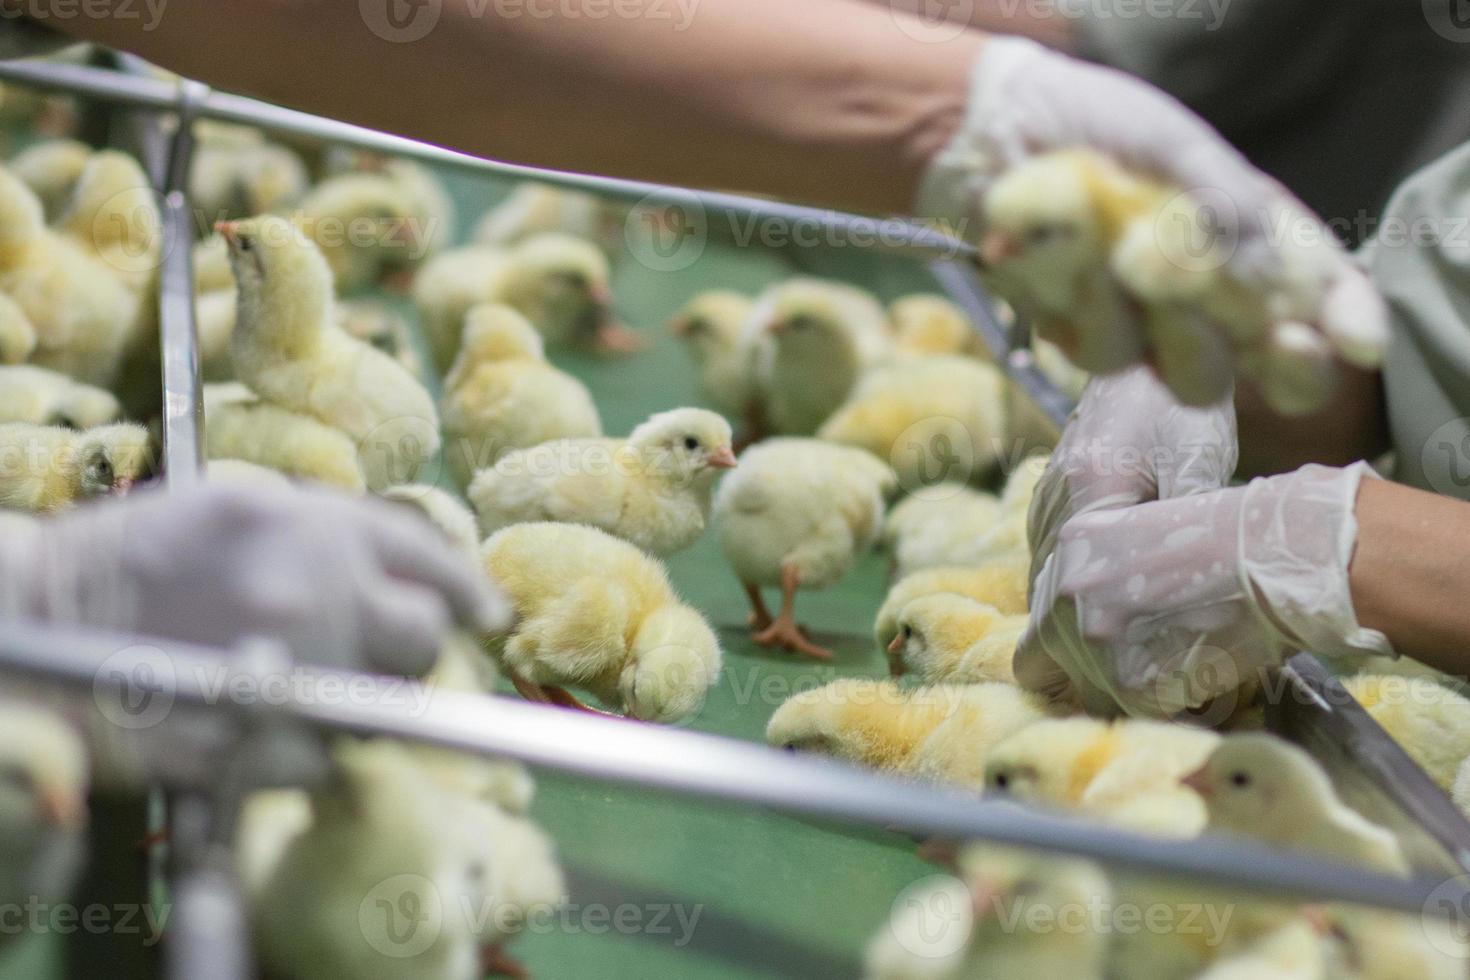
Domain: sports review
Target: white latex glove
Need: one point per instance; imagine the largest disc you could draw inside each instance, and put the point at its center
(1164, 606)
(343, 582)
(1026, 101)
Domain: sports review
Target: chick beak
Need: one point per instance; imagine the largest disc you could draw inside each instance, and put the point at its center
(229, 231)
(679, 326)
(61, 809)
(1198, 782)
(895, 644)
(777, 327)
(722, 458)
(998, 247)
(122, 485)
(599, 294)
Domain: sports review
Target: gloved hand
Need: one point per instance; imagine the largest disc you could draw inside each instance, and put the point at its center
(1162, 606)
(344, 583)
(1027, 101)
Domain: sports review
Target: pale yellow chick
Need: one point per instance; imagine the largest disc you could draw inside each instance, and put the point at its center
(1295, 951)
(502, 394)
(932, 527)
(596, 613)
(363, 223)
(238, 425)
(288, 350)
(452, 518)
(950, 639)
(712, 328)
(998, 584)
(230, 179)
(811, 341)
(1260, 786)
(797, 513)
(1369, 944)
(933, 418)
(1006, 540)
(1429, 720)
(1125, 773)
(44, 469)
(51, 168)
(241, 471)
(926, 323)
(17, 336)
(652, 489)
(531, 209)
(113, 214)
(41, 397)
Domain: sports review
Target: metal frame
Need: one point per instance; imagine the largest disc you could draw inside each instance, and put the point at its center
(1321, 716)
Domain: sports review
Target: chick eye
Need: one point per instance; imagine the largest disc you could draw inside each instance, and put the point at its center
(1240, 780)
(1044, 234)
(691, 443)
(104, 469)
(908, 632)
(789, 747)
(245, 243)
(1002, 780)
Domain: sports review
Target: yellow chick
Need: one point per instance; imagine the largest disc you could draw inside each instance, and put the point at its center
(998, 584)
(928, 529)
(113, 214)
(531, 209)
(1125, 773)
(949, 639)
(926, 323)
(1006, 540)
(17, 336)
(51, 168)
(933, 418)
(797, 513)
(1260, 786)
(363, 223)
(288, 350)
(41, 397)
(241, 471)
(435, 218)
(652, 489)
(1430, 721)
(1292, 952)
(560, 283)
(502, 394)
(237, 425)
(596, 613)
(1000, 918)
(385, 328)
(1460, 790)
(938, 733)
(44, 469)
(230, 181)
(452, 518)
(1368, 944)
(811, 340)
(712, 327)
(85, 317)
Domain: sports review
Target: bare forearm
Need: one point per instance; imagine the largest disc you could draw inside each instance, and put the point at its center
(1410, 574)
(824, 101)
(1038, 21)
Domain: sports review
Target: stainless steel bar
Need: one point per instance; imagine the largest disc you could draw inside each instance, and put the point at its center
(700, 765)
(886, 234)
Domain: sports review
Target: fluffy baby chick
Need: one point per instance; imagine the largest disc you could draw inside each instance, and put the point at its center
(1430, 721)
(230, 180)
(288, 351)
(1368, 944)
(1005, 541)
(998, 584)
(926, 323)
(17, 335)
(1003, 894)
(113, 214)
(85, 317)
(712, 327)
(1292, 952)
(811, 340)
(1125, 773)
(949, 639)
(595, 612)
(939, 733)
(652, 488)
(40, 397)
(1261, 786)
(360, 221)
(796, 514)
(934, 418)
(927, 530)
(43, 805)
(51, 168)
(45, 469)
(452, 518)
(531, 209)
(240, 471)
(502, 394)
(238, 425)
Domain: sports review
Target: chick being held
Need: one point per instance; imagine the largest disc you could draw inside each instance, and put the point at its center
(595, 612)
(652, 489)
(502, 394)
(796, 514)
(45, 469)
(40, 397)
(949, 639)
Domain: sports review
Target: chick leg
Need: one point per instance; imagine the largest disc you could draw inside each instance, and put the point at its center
(760, 616)
(547, 694)
(496, 962)
(784, 632)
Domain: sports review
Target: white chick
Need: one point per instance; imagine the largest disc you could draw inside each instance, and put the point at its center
(712, 327)
(44, 779)
(811, 341)
(239, 426)
(596, 613)
(1261, 786)
(45, 469)
(113, 214)
(938, 733)
(1430, 721)
(933, 418)
(502, 394)
(51, 168)
(797, 513)
(85, 317)
(652, 489)
(531, 209)
(949, 639)
(1125, 773)
(452, 518)
(288, 350)
(998, 584)
(41, 397)
(926, 323)
(926, 530)
(17, 335)
(1000, 919)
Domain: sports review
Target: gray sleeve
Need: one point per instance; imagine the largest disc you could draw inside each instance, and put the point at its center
(1420, 260)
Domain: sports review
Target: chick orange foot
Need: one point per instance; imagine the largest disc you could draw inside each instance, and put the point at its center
(559, 696)
(785, 633)
(760, 616)
(496, 962)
